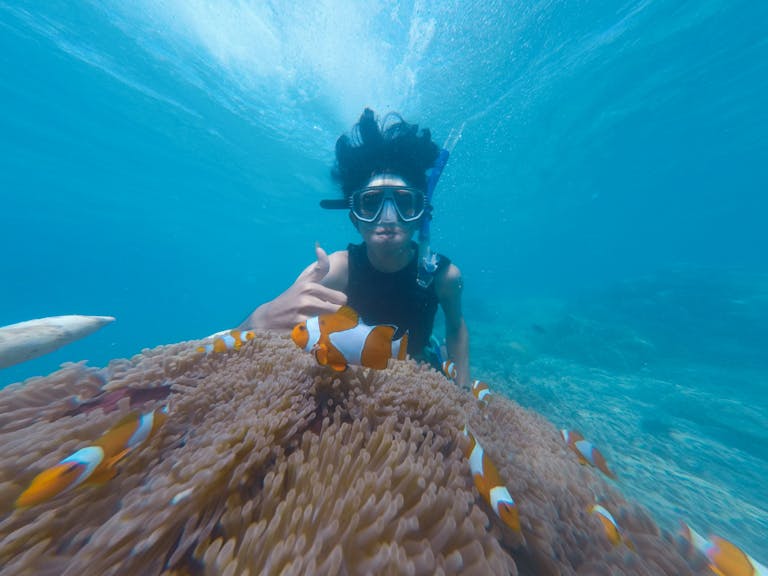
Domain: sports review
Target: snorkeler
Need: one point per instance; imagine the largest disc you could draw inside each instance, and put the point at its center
(382, 170)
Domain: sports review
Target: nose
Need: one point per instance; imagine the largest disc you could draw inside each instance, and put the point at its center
(388, 213)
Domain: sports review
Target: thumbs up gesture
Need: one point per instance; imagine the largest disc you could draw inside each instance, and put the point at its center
(316, 271)
(310, 295)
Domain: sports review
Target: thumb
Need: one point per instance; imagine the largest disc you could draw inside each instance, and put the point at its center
(320, 269)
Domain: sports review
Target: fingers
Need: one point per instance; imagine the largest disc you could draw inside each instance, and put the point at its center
(322, 257)
(319, 270)
(317, 305)
(333, 297)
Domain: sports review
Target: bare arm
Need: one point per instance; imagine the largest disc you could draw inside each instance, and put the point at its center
(319, 289)
(449, 287)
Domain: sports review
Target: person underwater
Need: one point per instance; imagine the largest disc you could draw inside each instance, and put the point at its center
(382, 172)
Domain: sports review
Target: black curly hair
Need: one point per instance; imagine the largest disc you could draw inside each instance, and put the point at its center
(394, 146)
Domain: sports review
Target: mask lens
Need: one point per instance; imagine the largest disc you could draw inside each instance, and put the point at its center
(410, 203)
(367, 203)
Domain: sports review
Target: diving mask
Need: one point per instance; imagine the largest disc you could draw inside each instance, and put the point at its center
(367, 203)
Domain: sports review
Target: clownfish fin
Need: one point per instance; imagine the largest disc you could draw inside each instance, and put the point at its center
(349, 313)
(600, 463)
(402, 350)
(102, 475)
(509, 514)
(629, 543)
(112, 461)
(344, 318)
(321, 354)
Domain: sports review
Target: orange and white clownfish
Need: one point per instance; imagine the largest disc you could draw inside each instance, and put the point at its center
(489, 484)
(340, 339)
(480, 390)
(97, 463)
(228, 340)
(615, 535)
(725, 558)
(449, 369)
(586, 452)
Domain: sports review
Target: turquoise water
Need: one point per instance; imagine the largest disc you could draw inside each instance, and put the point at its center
(162, 162)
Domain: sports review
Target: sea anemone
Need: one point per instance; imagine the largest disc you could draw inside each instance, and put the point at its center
(271, 464)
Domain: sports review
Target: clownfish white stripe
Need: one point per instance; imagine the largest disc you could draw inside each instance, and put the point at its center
(500, 495)
(585, 448)
(183, 495)
(698, 541)
(480, 390)
(351, 342)
(142, 430)
(89, 457)
(313, 332)
(476, 459)
(396, 348)
(597, 509)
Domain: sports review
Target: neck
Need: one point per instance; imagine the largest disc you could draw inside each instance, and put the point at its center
(392, 260)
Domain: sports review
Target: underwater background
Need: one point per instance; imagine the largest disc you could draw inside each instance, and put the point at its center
(162, 162)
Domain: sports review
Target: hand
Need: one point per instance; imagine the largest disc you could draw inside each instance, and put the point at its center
(305, 298)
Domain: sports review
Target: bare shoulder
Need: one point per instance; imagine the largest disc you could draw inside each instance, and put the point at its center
(449, 283)
(338, 274)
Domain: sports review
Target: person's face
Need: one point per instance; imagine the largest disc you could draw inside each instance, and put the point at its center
(388, 230)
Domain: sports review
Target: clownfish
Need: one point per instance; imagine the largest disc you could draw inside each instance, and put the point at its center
(586, 452)
(228, 340)
(612, 531)
(480, 390)
(725, 558)
(489, 484)
(340, 339)
(97, 463)
(449, 369)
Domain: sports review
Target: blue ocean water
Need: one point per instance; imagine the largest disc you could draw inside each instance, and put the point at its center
(162, 162)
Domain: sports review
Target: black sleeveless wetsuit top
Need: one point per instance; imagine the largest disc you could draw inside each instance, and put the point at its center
(393, 298)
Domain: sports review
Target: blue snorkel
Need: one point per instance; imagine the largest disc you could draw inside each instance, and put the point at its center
(428, 260)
